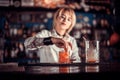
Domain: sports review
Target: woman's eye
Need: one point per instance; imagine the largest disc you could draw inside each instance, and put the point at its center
(69, 19)
(62, 16)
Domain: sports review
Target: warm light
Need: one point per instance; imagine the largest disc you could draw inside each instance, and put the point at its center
(49, 3)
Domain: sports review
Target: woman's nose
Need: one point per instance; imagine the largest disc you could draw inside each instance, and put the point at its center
(65, 19)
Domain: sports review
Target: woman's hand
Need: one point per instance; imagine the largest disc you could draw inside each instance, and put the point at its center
(59, 42)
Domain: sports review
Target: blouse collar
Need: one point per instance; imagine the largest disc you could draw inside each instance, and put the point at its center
(54, 33)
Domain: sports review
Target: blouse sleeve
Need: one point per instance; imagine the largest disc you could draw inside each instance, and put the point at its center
(75, 54)
(34, 42)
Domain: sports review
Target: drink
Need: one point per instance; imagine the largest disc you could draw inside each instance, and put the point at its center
(64, 57)
(92, 51)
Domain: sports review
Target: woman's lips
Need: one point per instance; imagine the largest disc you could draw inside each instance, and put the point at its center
(63, 23)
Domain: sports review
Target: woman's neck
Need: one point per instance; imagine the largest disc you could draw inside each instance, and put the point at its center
(60, 32)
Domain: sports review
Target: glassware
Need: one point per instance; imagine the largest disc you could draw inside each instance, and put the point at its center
(64, 57)
(92, 51)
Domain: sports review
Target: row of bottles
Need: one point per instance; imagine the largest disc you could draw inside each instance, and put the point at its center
(12, 43)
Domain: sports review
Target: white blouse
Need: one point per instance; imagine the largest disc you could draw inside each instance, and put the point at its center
(50, 53)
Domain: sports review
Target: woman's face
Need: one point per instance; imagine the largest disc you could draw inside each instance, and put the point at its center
(64, 21)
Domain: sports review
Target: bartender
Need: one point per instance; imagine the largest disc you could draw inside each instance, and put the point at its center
(49, 43)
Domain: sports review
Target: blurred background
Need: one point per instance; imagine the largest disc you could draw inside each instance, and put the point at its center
(96, 20)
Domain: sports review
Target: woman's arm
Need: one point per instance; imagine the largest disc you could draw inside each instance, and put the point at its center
(33, 43)
(36, 41)
(44, 38)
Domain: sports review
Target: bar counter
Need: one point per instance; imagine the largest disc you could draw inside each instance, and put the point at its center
(49, 71)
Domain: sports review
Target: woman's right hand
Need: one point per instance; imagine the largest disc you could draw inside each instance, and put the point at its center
(59, 42)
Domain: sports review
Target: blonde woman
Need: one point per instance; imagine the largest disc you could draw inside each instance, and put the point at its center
(49, 43)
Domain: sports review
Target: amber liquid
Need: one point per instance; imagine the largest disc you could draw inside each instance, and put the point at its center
(91, 61)
(91, 57)
(64, 57)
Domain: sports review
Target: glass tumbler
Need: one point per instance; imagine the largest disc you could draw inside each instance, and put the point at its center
(92, 51)
(64, 57)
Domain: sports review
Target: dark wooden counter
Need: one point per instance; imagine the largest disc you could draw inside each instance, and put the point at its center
(48, 71)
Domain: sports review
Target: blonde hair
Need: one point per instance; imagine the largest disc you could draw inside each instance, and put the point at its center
(62, 10)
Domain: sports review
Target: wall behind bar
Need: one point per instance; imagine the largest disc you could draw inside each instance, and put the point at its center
(18, 23)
